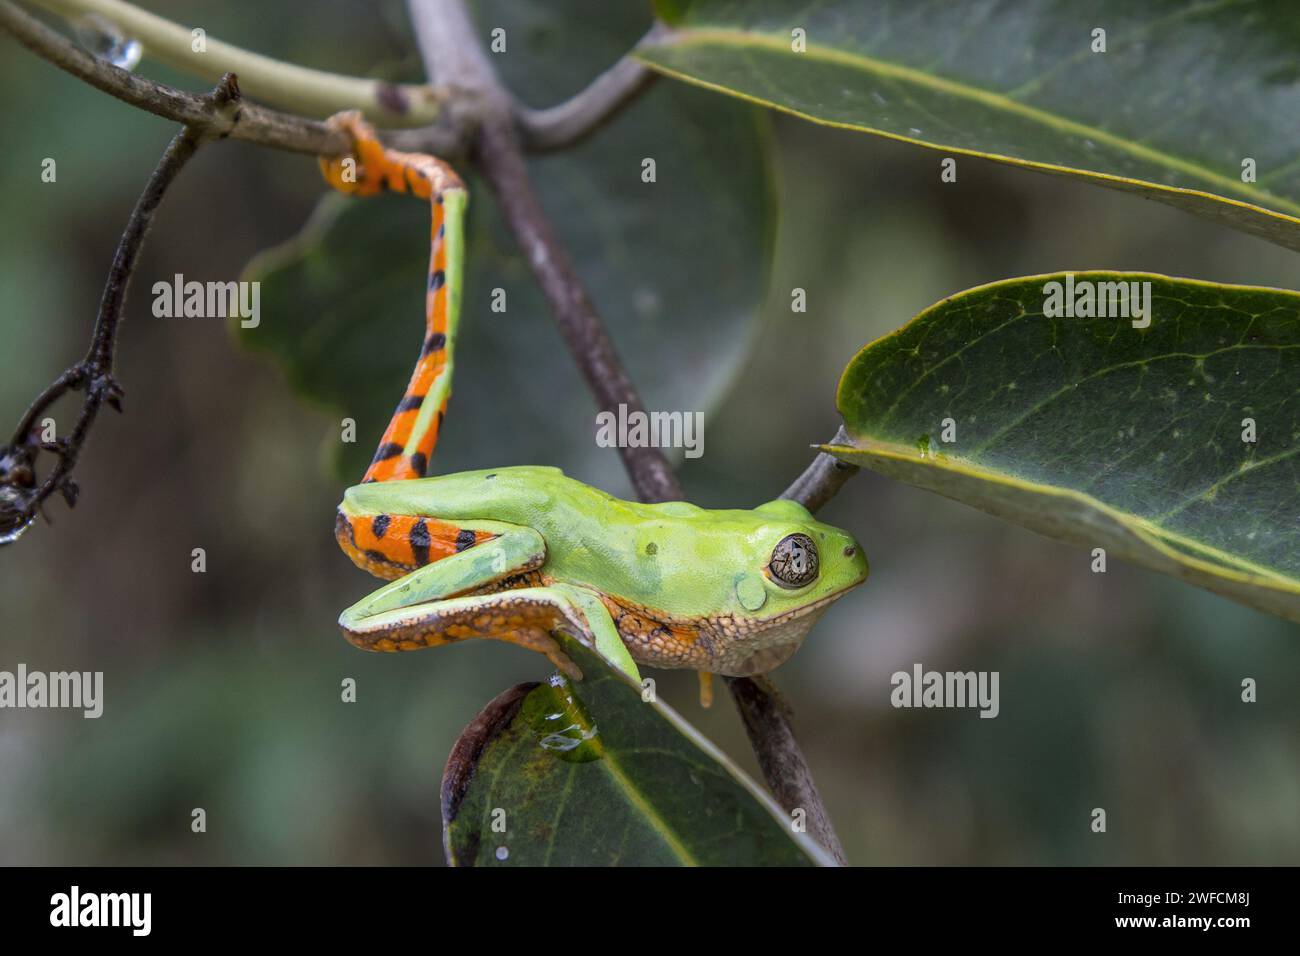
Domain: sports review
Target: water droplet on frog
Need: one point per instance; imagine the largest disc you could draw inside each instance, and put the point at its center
(560, 723)
(107, 41)
(502, 854)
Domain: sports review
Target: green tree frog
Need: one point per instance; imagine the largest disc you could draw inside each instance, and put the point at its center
(521, 553)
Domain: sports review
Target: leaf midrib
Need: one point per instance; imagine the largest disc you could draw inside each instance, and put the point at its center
(1221, 561)
(722, 36)
(648, 810)
(610, 765)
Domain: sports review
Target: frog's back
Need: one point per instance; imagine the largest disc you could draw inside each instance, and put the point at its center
(539, 496)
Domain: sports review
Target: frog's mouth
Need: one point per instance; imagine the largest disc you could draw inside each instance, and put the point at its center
(766, 644)
(811, 611)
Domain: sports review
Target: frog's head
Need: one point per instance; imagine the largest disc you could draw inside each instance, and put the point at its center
(796, 568)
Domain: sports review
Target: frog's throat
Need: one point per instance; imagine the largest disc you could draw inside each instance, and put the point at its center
(725, 644)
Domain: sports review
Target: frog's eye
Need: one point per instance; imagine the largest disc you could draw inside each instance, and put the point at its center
(794, 561)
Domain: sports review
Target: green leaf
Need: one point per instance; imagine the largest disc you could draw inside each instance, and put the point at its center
(1100, 433)
(1183, 93)
(589, 774)
(677, 269)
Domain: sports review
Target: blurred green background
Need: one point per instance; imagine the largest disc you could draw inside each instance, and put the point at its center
(1119, 690)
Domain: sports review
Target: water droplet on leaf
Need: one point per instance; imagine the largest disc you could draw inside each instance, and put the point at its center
(561, 724)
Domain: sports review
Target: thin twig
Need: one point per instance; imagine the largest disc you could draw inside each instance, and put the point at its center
(315, 91)
(823, 478)
(255, 124)
(286, 85)
(768, 721)
(21, 497)
(577, 118)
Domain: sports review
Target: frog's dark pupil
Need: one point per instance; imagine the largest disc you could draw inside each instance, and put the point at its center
(794, 561)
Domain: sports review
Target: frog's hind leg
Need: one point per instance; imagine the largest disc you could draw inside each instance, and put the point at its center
(413, 430)
(525, 616)
(390, 545)
(445, 601)
(505, 558)
(485, 592)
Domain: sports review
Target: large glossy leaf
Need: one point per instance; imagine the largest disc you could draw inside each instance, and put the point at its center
(676, 267)
(1184, 92)
(588, 773)
(1099, 432)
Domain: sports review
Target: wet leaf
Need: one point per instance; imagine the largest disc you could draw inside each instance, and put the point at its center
(1183, 94)
(587, 773)
(1135, 440)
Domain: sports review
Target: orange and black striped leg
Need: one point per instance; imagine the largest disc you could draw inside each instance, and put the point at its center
(443, 602)
(390, 545)
(413, 430)
(506, 550)
(435, 604)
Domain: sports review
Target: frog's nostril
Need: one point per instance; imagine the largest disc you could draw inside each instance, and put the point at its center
(850, 551)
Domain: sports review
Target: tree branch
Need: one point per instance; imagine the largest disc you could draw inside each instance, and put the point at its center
(768, 721)
(297, 88)
(21, 497)
(577, 118)
(316, 91)
(823, 478)
(253, 123)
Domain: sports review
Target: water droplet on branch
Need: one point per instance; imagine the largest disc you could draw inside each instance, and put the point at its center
(108, 41)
